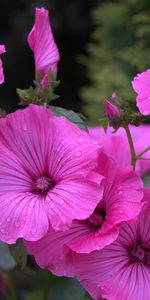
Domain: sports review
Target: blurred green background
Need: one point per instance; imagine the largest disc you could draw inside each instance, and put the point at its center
(103, 44)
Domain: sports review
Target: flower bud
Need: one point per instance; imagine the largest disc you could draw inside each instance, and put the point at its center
(112, 111)
(114, 95)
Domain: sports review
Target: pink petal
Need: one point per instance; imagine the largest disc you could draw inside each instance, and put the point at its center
(112, 110)
(141, 85)
(122, 201)
(2, 50)
(22, 215)
(35, 144)
(112, 268)
(72, 200)
(50, 252)
(116, 145)
(42, 43)
(25, 134)
(93, 290)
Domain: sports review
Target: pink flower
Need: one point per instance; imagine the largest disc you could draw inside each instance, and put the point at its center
(114, 95)
(45, 82)
(112, 110)
(2, 50)
(42, 43)
(121, 202)
(116, 145)
(45, 174)
(122, 269)
(141, 85)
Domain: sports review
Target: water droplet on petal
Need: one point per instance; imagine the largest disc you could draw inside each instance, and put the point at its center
(32, 204)
(61, 201)
(17, 224)
(17, 200)
(80, 140)
(51, 204)
(25, 127)
(33, 231)
(8, 220)
(78, 153)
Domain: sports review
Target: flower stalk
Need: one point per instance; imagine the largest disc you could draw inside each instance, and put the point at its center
(131, 145)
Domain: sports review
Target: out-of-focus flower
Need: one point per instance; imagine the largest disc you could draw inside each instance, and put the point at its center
(112, 111)
(121, 202)
(41, 41)
(116, 145)
(122, 269)
(2, 50)
(114, 95)
(141, 85)
(46, 174)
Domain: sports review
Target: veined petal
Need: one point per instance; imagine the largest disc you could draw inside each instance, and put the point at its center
(42, 43)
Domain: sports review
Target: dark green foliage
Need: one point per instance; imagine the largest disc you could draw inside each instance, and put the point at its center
(7, 262)
(70, 115)
(119, 49)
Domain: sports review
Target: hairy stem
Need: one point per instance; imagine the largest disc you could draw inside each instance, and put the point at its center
(131, 145)
(141, 153)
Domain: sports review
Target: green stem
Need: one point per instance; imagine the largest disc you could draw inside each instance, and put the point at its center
(131, 145)
(144, 151)
(46, 285)
(12, 287)
(143, 158)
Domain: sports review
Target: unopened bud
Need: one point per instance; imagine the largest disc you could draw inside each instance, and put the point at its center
(112, 110)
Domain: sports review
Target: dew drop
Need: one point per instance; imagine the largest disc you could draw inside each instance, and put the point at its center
(17, 224)
(33, 231)
(51, 204)
(17, 200)
(8, 220)
(78, 153)
(61, 201)
(25, 127)
(80, 140)
(2, 230)
(65, 188)
(31, 204)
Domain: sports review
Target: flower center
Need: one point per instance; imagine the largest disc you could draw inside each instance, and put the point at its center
(140, 253)
(43, 184)
(97, 218)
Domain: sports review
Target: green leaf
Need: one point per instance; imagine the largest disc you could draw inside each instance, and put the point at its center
(105, 124)
(7, 262)
(18, 251)
(26, 96)
(36, 295)
(70, 115)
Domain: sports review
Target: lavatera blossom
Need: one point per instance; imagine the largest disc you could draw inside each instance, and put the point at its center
(121, 202)
(141, 85)
(2, 50)
(41, 42)
(46, 174)
(121, 271)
